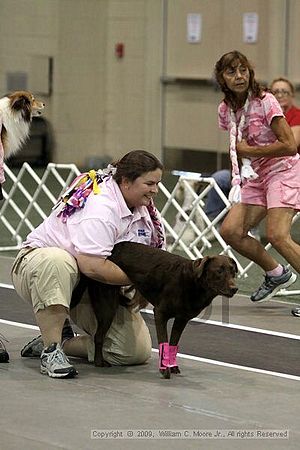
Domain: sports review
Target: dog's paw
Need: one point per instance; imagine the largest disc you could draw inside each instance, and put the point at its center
(175, 369)
(166, 373)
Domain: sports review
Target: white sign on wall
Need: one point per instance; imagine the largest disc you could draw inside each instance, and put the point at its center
(194, 28)
(250, 27)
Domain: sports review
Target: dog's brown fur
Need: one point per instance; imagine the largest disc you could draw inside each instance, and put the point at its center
(177, 288)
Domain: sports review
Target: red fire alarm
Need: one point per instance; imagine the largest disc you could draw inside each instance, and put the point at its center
(119, 50)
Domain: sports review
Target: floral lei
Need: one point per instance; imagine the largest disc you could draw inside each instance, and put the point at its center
(75, 197)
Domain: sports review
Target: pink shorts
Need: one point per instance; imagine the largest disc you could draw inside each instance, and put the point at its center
(274, 190)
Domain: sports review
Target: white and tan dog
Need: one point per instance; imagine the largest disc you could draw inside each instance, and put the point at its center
(16, 112)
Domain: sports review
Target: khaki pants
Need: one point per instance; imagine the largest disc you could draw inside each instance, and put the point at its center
(47, 276)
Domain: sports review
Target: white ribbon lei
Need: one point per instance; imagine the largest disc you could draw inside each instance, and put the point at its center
(247, 171)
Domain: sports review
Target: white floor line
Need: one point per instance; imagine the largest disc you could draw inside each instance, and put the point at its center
(245, 328)
(6, 286)
(182, 355)
(19, 324)
(220, 324)
(239, 327)
(275, 299)
(235, 366)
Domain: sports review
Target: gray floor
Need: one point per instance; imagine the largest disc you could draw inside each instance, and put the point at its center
(208, 397)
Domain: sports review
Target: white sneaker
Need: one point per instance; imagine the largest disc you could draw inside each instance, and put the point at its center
(272, 285)
(35, 347)
(55, 363)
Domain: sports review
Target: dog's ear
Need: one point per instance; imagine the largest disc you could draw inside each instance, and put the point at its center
(199, 265)
(19, 103)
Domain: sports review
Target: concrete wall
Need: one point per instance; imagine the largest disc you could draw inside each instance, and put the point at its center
(103, 105)
(99, 105)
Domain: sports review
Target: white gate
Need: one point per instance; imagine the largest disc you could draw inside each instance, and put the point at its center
(196, 225)
(28, 199)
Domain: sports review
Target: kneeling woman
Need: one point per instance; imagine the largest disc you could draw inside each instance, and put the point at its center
(97, 212)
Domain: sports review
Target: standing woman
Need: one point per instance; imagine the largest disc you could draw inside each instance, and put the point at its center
(263, 146)
(284, 92)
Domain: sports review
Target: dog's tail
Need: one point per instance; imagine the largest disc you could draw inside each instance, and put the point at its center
(132, 299)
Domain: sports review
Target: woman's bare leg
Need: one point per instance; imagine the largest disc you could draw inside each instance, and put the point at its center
(278, 227)
(240, 219)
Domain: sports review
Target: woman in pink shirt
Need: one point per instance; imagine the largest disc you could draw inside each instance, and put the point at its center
(95, 213)
(284, 91)
(265, 172)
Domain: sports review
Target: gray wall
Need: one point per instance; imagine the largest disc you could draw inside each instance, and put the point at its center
(102, 105)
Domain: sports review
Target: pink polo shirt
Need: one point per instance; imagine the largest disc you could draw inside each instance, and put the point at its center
(104, 221)
(258, 131)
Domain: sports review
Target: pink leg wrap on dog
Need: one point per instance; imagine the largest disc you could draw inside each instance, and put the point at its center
(163, 355)
(173, 349)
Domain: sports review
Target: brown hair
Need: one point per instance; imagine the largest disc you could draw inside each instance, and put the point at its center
(227, 60)
(134, 164)
(286, 81)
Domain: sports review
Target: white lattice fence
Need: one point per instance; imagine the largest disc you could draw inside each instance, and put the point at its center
(197, 235)
(28, 199)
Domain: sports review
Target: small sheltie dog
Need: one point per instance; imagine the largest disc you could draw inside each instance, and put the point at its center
(16, 112)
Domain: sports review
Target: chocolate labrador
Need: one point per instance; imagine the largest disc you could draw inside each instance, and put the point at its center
(177, 287)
